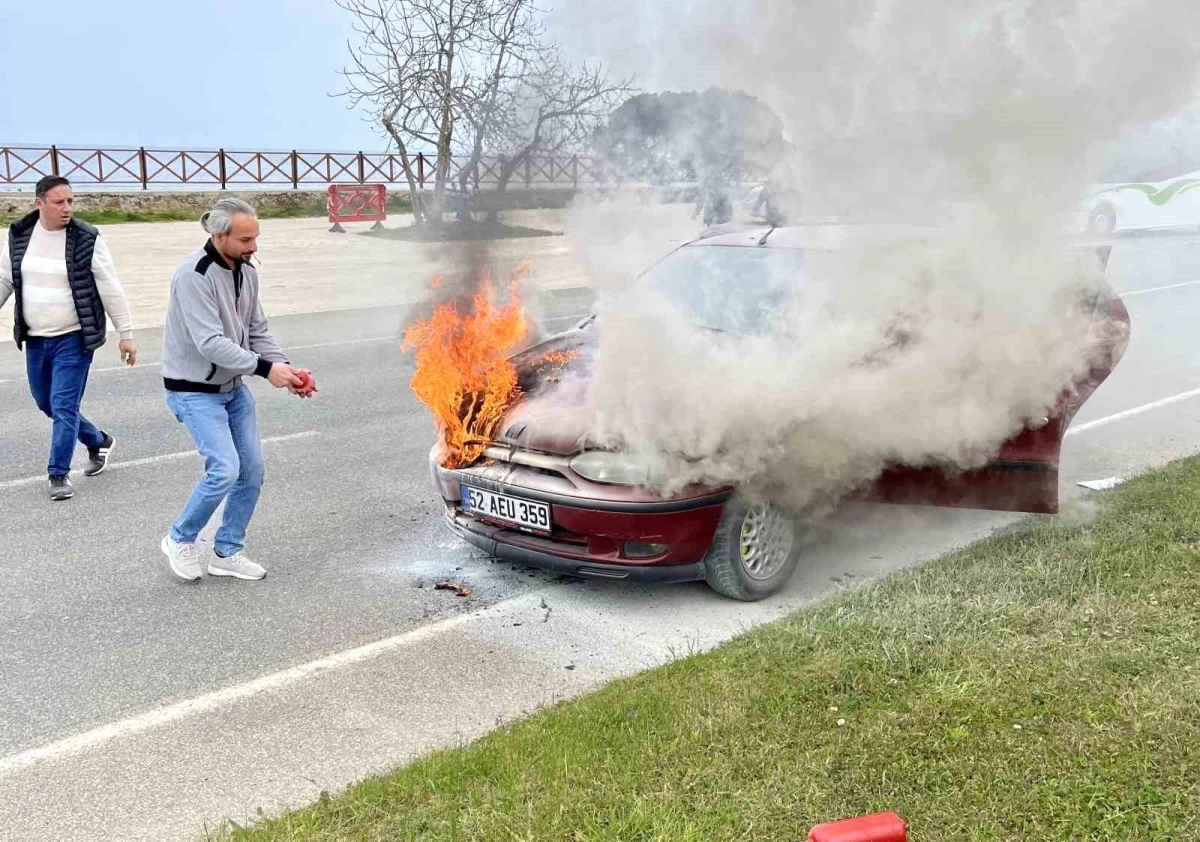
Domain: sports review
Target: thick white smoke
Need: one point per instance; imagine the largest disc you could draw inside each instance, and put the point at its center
(989, 117)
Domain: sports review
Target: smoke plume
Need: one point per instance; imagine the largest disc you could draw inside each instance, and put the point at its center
(988, 118)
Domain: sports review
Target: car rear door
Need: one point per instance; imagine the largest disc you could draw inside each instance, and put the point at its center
(1023, 477)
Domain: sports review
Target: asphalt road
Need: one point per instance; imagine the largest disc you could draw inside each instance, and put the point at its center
(136, 707)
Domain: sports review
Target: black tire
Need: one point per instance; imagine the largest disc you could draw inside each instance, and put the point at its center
(726, 567)
(1103, 221)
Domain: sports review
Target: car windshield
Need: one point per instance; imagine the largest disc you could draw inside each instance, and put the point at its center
(732, 289)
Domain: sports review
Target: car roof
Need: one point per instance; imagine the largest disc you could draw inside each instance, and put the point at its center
(820, 237)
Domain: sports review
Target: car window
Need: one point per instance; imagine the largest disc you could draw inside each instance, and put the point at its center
(733, 289)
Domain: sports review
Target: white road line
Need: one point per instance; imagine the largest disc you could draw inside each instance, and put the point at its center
(124, 367)
(199, 704)
(287, 348)
(1129, 413)
(344, 342)
(1159, 289)
(152, 460)
(189, 707)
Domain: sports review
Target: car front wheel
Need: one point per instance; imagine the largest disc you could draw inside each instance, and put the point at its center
(754, 553)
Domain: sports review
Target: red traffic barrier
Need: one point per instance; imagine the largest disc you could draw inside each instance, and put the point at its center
(356, 203)
(881, 827)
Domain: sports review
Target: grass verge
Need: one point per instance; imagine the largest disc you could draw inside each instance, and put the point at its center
(397, 203)
(116, 217)
(1041, 685)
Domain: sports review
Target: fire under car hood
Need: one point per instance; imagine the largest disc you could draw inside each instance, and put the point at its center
(553, 415)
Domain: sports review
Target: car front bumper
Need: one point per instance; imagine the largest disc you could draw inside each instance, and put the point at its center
(595, 528)
(497, 542)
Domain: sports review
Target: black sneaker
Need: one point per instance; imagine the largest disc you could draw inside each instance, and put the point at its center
(98, 457)
(61, 489)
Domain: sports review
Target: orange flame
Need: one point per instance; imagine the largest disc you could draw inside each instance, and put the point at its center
(559, 358)
(463, 374)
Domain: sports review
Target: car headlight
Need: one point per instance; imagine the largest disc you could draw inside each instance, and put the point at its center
(612, 468)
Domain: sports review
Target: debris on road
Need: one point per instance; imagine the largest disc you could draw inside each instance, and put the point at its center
(1101, 484)
(459, 590)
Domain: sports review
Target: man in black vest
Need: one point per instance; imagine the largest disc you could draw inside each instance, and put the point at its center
(65, 285)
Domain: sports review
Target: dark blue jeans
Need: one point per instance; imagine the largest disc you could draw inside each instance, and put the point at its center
(57, 367)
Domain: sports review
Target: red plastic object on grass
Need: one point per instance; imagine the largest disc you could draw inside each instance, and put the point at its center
(881, 827)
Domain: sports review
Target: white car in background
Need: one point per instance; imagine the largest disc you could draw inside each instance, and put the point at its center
(1144, 205)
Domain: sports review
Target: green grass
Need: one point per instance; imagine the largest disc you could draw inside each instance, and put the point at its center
(117, 217)
(1083, 630)
(398, 203)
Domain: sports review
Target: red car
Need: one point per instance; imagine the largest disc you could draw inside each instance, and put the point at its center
(540, 497)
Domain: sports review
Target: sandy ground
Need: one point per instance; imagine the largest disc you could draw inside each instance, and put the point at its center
(305, 268)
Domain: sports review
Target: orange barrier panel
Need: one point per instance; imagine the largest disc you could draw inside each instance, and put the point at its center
(357, 203)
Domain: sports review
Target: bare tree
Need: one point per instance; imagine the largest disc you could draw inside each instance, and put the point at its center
(420, 66)
(470, 77)
(551, 109)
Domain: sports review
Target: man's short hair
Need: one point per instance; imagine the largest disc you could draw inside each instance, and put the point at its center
(48, 183)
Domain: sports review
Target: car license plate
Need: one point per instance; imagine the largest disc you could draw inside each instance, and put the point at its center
(514, 510)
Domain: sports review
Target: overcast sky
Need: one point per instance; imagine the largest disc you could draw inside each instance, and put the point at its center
(255, 74)
(258, 74)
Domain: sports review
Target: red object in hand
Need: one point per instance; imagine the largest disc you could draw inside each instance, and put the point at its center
(881, 827)
(307, 386)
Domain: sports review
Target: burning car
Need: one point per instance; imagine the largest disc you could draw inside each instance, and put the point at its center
(530, 486)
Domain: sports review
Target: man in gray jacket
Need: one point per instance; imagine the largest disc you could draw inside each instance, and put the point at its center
(215, 335)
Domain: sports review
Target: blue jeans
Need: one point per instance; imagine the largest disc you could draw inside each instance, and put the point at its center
(57, 367)
(225, 430)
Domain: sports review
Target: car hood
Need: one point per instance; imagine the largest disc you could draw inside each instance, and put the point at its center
(553, 414)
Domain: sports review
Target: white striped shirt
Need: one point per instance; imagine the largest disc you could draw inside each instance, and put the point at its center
(46, 302)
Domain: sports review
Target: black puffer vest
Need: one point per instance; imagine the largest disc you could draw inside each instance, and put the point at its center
(81, 245)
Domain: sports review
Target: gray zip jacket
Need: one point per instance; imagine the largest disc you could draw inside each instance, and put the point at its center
(216, 332)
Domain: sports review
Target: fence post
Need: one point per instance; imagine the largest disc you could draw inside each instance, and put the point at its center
(394, 171)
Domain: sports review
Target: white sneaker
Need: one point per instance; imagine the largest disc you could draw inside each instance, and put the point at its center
(237, 566)
(181, 558)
